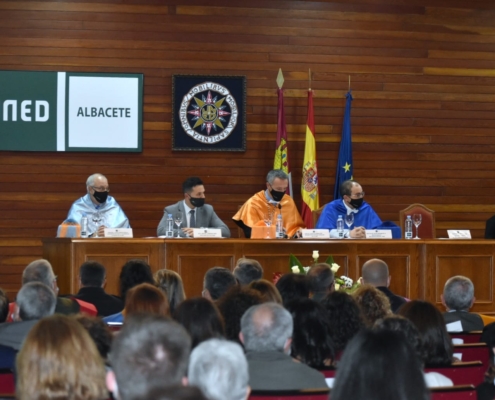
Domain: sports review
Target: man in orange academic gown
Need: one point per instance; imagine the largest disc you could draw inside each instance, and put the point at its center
(268, 204)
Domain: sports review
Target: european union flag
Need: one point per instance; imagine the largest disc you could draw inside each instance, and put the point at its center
(344, 164)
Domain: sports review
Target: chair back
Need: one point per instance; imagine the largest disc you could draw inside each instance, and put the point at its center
(461, 392)
(315, 215)
(328, 372)
(473, 352)
(463, 373)
(427, 227)
(467, 337)
(7, 382)
(307, 394)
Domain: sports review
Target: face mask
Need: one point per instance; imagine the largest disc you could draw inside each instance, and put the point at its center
(197, 201)
(356, 203)
(100, 197)
(277, 196)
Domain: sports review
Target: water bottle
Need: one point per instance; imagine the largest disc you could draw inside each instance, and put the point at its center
(340, 226)
(280, 227)
(408, 234)
(170, 226)
(84, 226)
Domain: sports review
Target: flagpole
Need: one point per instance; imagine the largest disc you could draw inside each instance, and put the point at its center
(349, 82)
(309, 79)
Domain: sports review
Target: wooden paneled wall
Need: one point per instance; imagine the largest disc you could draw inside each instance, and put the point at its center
(423, 117)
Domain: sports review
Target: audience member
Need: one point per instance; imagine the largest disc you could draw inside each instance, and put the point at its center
(217, 282)
(150, 351)
(378, 366)
(486, 390)
(293, 286)
(375, 273)
(372, 303)
(98, 331)
(143, 298)
(4, 306)
(92, 280)
(321, 281)
(60, 361)
(268, 291)
(233, 305)
(132, 274)
(219, 368)
(458, 298)
(266, 332)
(311, 341)
(345, 318)
(41, 271)
(247, 270)
(170, 283)
(201, 319)
(35, 300)
(437, 344)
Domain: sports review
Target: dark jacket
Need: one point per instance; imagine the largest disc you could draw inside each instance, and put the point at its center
(106, 304)
(395, 301)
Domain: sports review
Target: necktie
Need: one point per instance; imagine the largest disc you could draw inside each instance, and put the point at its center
(192, 220)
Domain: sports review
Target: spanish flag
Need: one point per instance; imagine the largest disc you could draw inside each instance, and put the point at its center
(309, 185)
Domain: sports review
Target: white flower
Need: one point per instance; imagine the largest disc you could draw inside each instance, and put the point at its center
(347, 281)
(335, 267)
(306, 269)
(295, 269)
(337, 286)
(316, 255)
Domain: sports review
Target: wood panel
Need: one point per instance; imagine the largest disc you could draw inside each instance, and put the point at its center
(423, 119)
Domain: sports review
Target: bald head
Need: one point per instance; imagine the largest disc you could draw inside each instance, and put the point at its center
(375, 272)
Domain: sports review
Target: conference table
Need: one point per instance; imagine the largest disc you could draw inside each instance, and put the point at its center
(419, 268)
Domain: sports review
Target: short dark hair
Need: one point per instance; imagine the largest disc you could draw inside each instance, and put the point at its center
(345, 188)
(149, 351)
(99, 332)
(218, 281)
(293, 286)
(320, 277)
(4, 306)
(92, 273)
(190, 183)
(248, 270)
(132, 274)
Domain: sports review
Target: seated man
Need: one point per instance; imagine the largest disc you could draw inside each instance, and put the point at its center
(352, 202)
(321, 281)
(490, 228)
(195, 213)
(247, 270)
(217, 282)
(458, 298)
(269, 203)
(266, 332)
(101, 209)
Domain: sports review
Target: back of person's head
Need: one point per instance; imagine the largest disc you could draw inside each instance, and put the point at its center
(39, 271)
(266, 327)
(172, 393)
(233, 305)
(99, 331)
(133, 273)
(92, 274)
(170, 283)
(436, 342)
(4, 306)
(150, 351)
(247, 270)
(268, 291)
(201, 319)
(458, 293)
(218, 281)
(372, 303)
(219, 368)
(35, 300)
(146, 298)
(375, 272)
(311, 341)
(377, 366)
(321, 278)
(345, 318)
(59, 360)
(293, 286)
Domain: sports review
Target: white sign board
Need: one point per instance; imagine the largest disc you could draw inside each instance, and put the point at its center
(455, 234)
(207, 233)
(378, 234)
(315, 233)
(118, 232)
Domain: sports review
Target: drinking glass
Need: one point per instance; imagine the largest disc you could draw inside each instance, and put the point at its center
(417, 222)
(349, 220)
(178, 218)
(97, 220)
(268, 222)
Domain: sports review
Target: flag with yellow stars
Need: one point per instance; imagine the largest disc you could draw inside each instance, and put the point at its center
(344, 164)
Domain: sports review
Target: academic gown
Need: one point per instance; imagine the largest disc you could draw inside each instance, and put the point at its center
(365, 216)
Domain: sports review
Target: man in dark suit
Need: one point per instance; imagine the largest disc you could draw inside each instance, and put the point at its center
(375, 273)
(458, 298)
(195, 213)
(92, 279)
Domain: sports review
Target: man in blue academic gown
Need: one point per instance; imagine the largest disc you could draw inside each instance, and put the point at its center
(101, 209)
(352, 201)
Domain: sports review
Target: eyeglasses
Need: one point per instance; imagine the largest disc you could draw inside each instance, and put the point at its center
(357, 195)
(101, 189)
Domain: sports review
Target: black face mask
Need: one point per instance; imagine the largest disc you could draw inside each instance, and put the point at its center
(197, 201)
(356, 203)
(100, 197)
(277, 196)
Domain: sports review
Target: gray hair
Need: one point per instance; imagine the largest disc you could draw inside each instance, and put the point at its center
(247, 270)
(35, 300)
(266, 327)
(220, 369)
(91, 179)
(39, 271)
(458, 293)
(276, 173)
